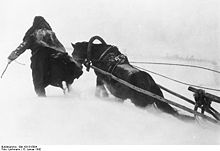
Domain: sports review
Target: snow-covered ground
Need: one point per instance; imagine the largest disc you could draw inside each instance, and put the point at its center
(81, 118)
(145, 30)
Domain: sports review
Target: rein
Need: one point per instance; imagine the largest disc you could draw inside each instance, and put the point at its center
(103, 54)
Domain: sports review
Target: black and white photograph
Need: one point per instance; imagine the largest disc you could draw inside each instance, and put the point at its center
(109, 72)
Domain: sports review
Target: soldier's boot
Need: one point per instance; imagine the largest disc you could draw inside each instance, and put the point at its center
(40, 92)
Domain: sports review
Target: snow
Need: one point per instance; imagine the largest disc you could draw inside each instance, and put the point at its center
(82, 118)
(145, 30)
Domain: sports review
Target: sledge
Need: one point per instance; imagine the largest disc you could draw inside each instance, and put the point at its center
(106, 70)
(202, 99)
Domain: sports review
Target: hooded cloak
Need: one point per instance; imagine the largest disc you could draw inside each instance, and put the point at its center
(41, 33)
(50, 63)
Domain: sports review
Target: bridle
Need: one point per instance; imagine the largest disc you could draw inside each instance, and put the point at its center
(100, 57)
(88, 60)
(104, 53)
(85, 61)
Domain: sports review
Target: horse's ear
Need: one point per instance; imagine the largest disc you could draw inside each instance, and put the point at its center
(73, 45)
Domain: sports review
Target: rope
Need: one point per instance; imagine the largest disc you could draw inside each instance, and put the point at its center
(19, 63)
(4, 70)
(176, 64)
(184, 83)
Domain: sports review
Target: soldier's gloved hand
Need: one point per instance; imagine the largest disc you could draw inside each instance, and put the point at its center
(12, 56)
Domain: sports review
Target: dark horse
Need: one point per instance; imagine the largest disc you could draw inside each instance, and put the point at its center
(108, 58)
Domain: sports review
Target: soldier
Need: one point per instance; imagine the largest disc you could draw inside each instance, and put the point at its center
(50, 63)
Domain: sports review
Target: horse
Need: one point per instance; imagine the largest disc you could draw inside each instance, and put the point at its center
(108, 58)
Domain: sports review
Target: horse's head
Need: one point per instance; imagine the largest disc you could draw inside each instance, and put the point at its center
(80, 51)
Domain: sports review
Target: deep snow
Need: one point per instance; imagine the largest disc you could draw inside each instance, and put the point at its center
(145, 30)
(82, 118)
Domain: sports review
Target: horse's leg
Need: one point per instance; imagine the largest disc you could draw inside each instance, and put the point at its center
(145, 81)
(100, 88)
(69, 85)
(165, 107)
(64, 87)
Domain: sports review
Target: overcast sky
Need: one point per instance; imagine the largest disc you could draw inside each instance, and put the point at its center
(185, 27)
(145, 27)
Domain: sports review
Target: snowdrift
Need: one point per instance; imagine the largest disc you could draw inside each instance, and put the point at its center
(82, 118)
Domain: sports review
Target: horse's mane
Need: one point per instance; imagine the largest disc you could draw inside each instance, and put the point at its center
(81, 44)
(84, 45)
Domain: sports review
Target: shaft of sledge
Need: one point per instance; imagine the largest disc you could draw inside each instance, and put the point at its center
(208, 95)
(212, 111)
(176, 94)
(155, 96)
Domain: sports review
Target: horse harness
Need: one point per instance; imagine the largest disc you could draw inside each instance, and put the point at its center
(113, 59)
